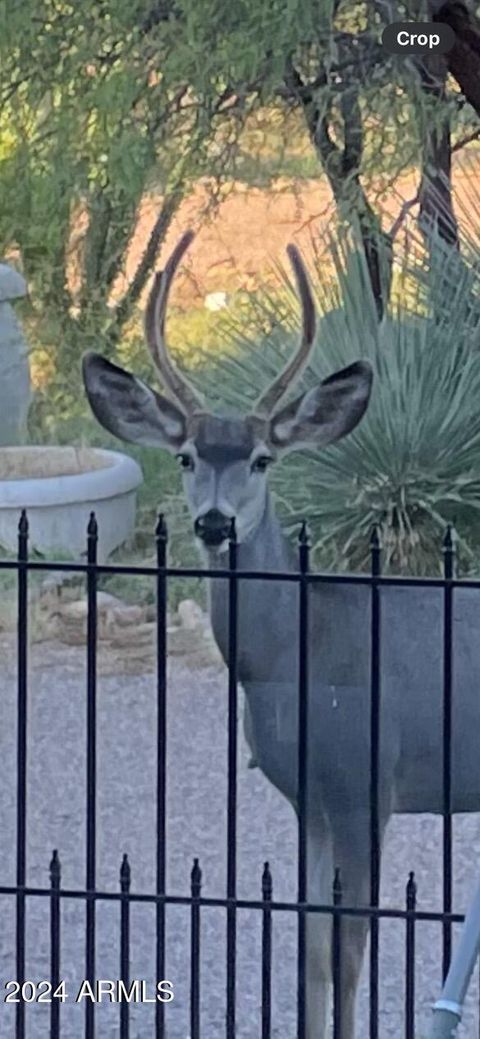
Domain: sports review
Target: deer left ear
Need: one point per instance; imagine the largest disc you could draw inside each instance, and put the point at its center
(130, 409)
(325, 413)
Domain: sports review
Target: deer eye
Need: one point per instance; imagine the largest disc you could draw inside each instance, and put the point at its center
(261, 464)
(186, 462)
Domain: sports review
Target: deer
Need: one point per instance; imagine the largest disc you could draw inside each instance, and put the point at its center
(224, 461)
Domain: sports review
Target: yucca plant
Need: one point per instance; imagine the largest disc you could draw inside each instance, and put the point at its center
(413, 464)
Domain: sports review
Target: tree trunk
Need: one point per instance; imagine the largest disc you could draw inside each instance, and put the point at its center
(342, 167)
(464, 58)
(435, 194)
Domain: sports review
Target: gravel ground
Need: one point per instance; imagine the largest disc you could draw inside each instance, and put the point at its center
(196, 826)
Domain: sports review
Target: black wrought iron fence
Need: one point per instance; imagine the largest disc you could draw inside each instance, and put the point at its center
(266, 905)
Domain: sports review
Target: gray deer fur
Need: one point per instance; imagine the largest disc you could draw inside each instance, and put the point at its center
(224, 461)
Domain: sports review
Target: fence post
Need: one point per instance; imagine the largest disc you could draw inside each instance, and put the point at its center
(91, 835)
(267, 893)
(411, 905)
(196, 890)
(304, 566)
(449, 574)
(22, 708)
(232, 782)
(55, 880)
(161, 537)
(375, 556)
(337, 893)
(125, 881)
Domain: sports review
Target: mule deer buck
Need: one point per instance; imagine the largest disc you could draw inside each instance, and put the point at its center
(224, 461)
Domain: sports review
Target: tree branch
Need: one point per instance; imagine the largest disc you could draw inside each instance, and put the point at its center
(147, 262)
(357, 53)
(99, 217)
(342, 167)
(404, 211)
(464, 141)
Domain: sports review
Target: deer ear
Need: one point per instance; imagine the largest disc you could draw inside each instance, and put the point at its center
(130, 409)
(325, 413)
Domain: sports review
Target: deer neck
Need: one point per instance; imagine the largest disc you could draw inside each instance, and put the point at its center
(268, 549)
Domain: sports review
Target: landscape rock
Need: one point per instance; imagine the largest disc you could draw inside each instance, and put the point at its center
(127, 634)
(191, 615)
(112, 615)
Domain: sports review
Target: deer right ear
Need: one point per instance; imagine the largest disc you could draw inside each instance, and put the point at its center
(130, 409)
(326, 412)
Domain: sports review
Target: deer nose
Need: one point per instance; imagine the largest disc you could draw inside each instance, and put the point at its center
(213, 527)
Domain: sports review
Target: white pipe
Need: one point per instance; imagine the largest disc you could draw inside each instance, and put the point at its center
(447, 1011)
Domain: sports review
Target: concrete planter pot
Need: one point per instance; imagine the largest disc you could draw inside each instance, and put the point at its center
(14, 367)
(60, 487)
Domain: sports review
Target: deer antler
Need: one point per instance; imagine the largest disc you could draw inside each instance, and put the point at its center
(178, 385)
(278, 388)
(155, 331)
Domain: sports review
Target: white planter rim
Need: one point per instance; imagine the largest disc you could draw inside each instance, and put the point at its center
(119, 474)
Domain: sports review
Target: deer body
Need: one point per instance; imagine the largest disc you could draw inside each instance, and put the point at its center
(339, 697)
(224, 460)
(339, 680)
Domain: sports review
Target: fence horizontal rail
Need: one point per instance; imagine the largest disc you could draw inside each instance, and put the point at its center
(375, 912)
(385, 580)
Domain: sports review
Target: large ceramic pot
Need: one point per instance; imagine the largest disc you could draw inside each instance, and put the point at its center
(60, 487)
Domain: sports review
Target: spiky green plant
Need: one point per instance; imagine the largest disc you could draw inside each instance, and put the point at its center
(413, 463)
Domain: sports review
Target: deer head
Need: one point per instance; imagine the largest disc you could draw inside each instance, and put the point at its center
(224, 460)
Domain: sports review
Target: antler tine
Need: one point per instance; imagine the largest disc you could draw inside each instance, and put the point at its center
(278, 388)
(155, 330)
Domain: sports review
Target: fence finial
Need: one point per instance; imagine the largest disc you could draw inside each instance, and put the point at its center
(337, 889)
(125, 874)
(23, 524)
(449, 538)
(161, 532)
(304, 534)
(92, 529)
(375, 541)
(375, 551)
(55, 868)
(267, 883)
(449, 552)
(411, 891)
(196, 879)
